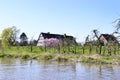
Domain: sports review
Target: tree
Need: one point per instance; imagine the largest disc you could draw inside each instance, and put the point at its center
(52, 42)
(117, 29)
(96, 33)
(91, 39)
(15, 33)
(87, 39)
(117, 26)
(9, 36)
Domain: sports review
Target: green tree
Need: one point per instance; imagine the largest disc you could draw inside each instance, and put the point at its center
(9, 36)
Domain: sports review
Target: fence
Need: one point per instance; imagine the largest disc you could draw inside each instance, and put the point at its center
(75, 49)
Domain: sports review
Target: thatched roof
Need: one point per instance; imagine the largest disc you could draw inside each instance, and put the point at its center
(58, 36)
(109, 37)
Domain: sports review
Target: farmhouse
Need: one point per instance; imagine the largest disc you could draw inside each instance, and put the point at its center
(48, 39)
(107, 39)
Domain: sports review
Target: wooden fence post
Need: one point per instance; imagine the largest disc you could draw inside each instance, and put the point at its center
(90, 49)
(75, 49)
(103, 50)
(45, 48)
(100, 49)
(118, 49)
(31, 48)
(83, 49)
(96, 50)
(58, 48)
(115, 50)
(109, 51)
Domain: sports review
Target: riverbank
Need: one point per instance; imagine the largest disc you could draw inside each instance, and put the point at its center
(85, 58)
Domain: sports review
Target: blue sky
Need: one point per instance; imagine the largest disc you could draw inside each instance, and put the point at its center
(73, 17)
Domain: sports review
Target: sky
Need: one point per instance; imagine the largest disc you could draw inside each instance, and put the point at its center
(74, 17)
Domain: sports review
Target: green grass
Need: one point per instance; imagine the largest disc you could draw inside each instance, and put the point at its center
(64, 54)
(63, 57)
(106, 50)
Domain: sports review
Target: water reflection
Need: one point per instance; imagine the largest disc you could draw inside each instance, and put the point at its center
(19, 69)
(101, 72)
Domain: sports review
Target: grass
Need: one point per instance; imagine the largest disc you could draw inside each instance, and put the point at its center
(63, 55)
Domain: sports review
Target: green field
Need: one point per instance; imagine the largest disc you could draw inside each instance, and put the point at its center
(94, 54)
(102, 50)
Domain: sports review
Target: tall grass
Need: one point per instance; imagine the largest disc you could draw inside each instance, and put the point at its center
(108, 54)
(102, 50)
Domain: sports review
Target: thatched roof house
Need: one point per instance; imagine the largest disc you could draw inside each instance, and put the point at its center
(107, 39)
(43, 36)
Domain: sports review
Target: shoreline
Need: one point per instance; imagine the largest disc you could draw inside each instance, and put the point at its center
(84, 58)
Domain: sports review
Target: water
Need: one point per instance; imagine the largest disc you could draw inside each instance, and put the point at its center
(17, 69)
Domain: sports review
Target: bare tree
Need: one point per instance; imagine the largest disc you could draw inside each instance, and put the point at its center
(117, 26)
(117, 29)
(96, 33)
(87, 38)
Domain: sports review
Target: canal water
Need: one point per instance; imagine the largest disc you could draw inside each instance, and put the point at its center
(18, 69)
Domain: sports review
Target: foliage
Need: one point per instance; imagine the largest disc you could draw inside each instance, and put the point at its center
(51, 42)
(9, 36)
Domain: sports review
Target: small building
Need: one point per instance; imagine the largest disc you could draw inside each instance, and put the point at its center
(23, 39)
(48, 39)
(108, 39)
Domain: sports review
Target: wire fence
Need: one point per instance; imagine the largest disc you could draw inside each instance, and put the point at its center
(75, 49)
